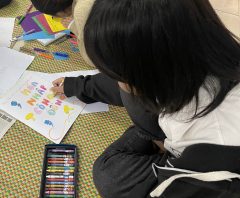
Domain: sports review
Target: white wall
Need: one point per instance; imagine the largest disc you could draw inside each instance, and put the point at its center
(229, 12)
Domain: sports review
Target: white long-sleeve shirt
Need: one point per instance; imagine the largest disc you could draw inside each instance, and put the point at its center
(221, 126)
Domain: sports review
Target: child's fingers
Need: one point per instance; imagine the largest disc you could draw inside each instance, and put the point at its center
(57, 90)
(57, 82)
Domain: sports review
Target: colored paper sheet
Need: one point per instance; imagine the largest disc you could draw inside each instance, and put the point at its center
(38, 35)
(54, 23)
(35, 105)
(42, 23)
(29, 24)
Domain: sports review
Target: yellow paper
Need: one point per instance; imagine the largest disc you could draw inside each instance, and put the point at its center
(54, 23)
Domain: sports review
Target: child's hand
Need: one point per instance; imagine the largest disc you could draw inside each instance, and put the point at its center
(58, 86)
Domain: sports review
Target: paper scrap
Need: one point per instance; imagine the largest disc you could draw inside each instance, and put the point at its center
(13, 64)
(6, 121)
(6, 31)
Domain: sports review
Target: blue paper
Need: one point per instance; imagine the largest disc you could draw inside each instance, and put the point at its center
(38, 35)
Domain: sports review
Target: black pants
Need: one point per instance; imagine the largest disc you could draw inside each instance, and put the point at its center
(127, 162)
(124, 164)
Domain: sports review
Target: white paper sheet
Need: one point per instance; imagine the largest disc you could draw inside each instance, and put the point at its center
(90, 108)
(12, 66)
(6, 31)
(6, 121)
(32, 102)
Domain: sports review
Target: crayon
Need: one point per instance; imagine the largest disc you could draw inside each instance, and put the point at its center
(61, 54)
(64, 164)
(29, 51)
(65, 183)
(59, 196)
(57, 170)
(74, 42)
(59, 176)
(61, 179)
(60, 156)
(21, 36)
(73, 36)
(61, 159)
(24, 16)
(61, 168)
(61, 151)
(60, 162)
(59, 189)
(59, 192)
(59, 185)
(40, 50)
(45, 55)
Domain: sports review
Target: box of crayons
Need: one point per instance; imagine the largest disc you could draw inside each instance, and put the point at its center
(59, 173)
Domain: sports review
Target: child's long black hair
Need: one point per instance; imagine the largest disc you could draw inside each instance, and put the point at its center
(165, 49)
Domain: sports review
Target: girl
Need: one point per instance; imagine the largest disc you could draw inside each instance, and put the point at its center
(174, 60)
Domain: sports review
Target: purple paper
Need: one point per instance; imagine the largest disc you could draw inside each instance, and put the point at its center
(28, 23)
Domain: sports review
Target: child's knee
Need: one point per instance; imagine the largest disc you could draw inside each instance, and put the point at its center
(106, 174)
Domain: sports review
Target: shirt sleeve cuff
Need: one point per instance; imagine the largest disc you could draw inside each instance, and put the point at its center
(69, 86)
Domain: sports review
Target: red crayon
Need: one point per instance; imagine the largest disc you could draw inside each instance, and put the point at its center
(73, 42)
(64, 159)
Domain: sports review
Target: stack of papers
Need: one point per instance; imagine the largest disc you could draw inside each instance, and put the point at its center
(45, 27)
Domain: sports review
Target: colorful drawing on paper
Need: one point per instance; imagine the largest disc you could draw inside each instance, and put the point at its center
(16, 104)
(67, 109)
(48, 122)
(30, 116)
(36, 106)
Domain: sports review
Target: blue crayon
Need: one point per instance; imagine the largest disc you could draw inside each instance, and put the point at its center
(61, 54)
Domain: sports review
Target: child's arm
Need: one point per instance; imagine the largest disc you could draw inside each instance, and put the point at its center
(89, 89)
